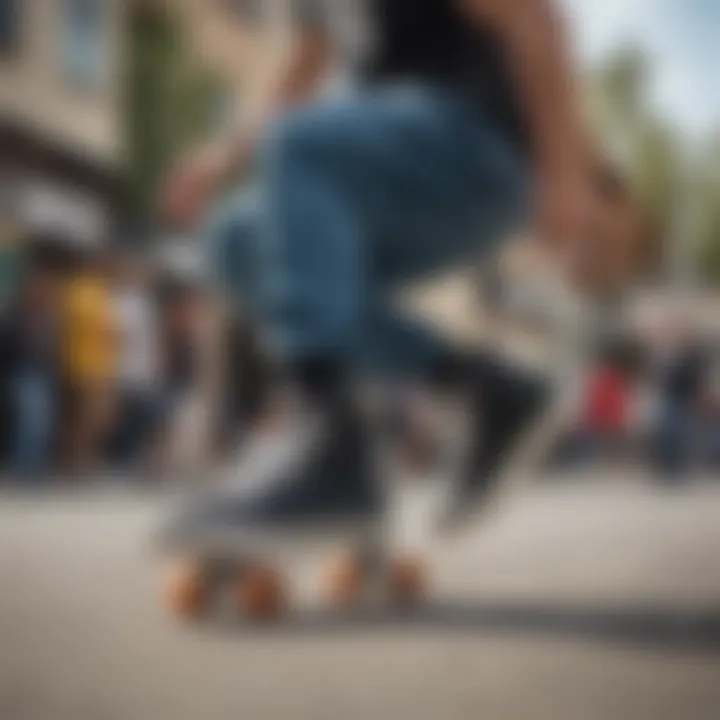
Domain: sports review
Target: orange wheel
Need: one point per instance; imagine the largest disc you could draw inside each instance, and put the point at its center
(184, 588)
(261, 594)
(407, 581)
(344, 580)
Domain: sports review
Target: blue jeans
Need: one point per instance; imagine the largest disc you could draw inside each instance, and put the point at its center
(357, 196)
(673, 438)
(138, 420)
(35, 421)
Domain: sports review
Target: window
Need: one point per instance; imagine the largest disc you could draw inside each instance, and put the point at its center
(9, 27)
(84, 51)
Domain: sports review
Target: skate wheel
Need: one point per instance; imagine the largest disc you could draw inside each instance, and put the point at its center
(344, 580)
(261, 594)
(184, 588)
(406, 581)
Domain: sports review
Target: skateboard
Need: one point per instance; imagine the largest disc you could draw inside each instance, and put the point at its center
(251, 581)
(247, 579)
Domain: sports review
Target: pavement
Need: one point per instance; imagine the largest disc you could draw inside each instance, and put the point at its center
(579, 599)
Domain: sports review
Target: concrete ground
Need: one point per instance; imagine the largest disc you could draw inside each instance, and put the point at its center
(575, 601)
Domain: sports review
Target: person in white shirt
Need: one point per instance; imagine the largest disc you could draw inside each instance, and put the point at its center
(137, 363)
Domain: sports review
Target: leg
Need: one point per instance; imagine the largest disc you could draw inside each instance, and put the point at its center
(34, 423)
(122, 429)
(366, 193)
(135, 425)
(670, 441)
(93, 418)
(231, 237)
(361, 195)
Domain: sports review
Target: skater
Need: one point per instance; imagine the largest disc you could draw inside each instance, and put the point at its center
(460, 125)
(137, 367)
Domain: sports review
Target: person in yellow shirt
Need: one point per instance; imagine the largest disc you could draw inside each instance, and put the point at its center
(88, 357)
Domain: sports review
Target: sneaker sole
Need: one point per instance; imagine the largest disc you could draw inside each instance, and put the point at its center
(288, 539)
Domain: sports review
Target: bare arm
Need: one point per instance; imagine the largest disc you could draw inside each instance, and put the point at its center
(195, 179)
(538, 52)
(298, 80)
(540, 57)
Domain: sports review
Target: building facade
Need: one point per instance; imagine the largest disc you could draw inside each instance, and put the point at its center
(243, 42)
(60, 139)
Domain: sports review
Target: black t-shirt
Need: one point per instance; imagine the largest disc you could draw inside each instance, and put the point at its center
(430, 41)
(683, 376)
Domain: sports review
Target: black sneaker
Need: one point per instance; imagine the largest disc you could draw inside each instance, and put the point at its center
(310, 473)
(505, 404)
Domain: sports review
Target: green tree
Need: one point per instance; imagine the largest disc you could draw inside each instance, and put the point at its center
(618, 100)
(655, 171)
(678, 194)
(170, 102)
(709, 226)
(677, 182)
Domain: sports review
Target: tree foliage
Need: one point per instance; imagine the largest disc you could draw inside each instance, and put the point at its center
(678, 187)
(170, 102)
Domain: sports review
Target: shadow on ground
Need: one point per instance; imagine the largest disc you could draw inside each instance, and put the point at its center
(658, 629)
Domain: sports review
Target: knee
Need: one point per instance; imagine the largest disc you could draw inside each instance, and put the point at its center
(302, 136)
(233, 216)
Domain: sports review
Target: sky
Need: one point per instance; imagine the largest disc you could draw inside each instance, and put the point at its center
(681, 36)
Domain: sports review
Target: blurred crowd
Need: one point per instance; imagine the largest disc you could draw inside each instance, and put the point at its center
(104, 368)
(652, 397)
(100, 365)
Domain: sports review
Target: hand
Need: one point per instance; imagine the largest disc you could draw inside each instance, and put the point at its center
(572, 222)
(564, 204)
(192, 182)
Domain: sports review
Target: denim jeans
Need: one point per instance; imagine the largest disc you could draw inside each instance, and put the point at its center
(673, 438)
(35, 422)
(357, 196)
(137, 421)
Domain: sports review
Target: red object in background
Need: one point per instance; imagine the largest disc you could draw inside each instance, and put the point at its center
(606, 409)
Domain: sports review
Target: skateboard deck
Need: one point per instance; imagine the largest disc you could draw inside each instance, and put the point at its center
(367, 559)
